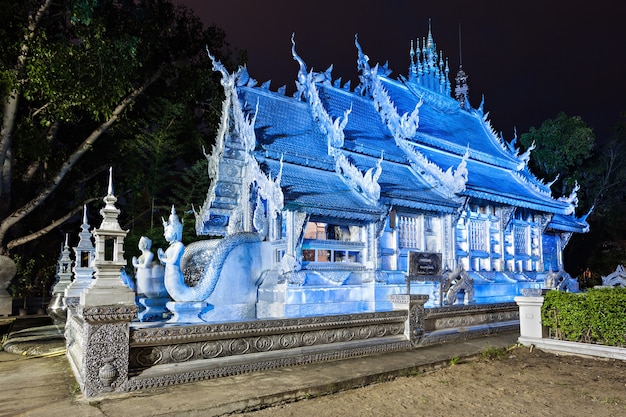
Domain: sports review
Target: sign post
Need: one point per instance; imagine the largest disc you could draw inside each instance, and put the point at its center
(424, 266)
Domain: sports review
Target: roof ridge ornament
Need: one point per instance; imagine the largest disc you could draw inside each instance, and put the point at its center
(333, 129)
(237, 128)
(529, 179)
(512, 142)
(479, 112)
(366, 184)
(405, 127)
(525, 157)
(401, 127)
(363, 66)
(453, 181)
(572, 199)
(301, 82)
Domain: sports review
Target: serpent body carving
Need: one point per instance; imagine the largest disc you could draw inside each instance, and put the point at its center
(201, 265)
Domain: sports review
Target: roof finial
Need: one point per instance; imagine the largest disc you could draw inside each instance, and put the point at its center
(412, 68)
(460, 50)
(461, 91)
(110, 190)
(431, 42)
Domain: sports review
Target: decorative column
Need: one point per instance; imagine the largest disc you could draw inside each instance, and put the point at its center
(106, 308)
(57, 309)
(83, 267)
(414, 304)
(530, 304)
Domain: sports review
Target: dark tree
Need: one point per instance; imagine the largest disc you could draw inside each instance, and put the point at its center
(89, 84)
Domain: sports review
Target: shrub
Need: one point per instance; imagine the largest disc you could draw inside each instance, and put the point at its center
(595, 316)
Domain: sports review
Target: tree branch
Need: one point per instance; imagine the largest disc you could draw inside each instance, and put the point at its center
(27, 208)
(28, 238)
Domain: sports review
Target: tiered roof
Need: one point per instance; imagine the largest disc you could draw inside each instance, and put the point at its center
(406, 143)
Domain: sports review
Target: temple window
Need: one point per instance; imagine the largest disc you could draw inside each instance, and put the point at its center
(410, 232)
(478, 235)
(521, 233)
(325, 242)
(419, 232)
(431, 235)
(278, 255)
(325, 231)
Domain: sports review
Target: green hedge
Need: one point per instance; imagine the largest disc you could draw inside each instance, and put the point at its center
(595, 316)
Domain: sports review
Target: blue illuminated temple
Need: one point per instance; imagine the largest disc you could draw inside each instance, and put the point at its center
(344, 183)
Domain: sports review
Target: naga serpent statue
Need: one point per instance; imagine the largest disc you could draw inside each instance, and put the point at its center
(456, 281)
(192, 273)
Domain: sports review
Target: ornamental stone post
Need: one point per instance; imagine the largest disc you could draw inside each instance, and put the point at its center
(56, 307)
(414, 324)
(83, 266)
(530, 304)
(98, 339)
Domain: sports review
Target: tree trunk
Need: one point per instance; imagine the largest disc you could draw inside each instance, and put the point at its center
(10, 107)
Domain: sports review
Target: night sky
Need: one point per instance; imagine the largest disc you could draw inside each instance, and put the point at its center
(530, 60)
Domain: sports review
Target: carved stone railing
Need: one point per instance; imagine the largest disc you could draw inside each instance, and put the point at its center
(177, 354)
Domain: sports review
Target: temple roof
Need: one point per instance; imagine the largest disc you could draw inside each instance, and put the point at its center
(317, 192)
(402, 144)
(285, 129)
(563, 223)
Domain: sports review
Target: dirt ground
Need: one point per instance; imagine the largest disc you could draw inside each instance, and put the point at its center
(517, 382)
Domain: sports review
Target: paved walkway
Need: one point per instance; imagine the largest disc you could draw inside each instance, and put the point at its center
(44, 385)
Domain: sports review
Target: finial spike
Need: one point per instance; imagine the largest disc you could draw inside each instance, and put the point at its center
(460, 50)
(431, 42)
(110, 190)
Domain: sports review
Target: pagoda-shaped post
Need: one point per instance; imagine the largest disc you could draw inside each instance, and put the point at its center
(57, 308)
(83, 267)
(98, 335)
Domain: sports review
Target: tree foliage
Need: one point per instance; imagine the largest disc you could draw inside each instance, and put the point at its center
(566, 149)
(88, 84)
(603, 186)
(562, 145)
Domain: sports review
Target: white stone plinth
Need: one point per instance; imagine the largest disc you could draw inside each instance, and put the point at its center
(530, 316)
(187, 311)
